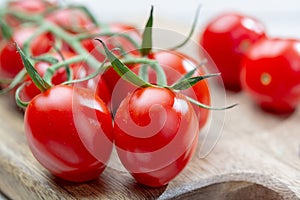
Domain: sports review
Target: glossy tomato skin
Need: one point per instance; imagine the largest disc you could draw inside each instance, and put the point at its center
(10, 60)
(270, 74)
(155, 133)
(69, 131)
(176, 65)
(101, 89)
(226, 38)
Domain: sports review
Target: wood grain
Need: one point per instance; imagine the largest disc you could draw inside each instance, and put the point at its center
(256, 158)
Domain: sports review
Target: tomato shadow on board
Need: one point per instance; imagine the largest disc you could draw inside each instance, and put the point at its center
(89, 189)
(272, 113)
(154, 191)
(100, 186)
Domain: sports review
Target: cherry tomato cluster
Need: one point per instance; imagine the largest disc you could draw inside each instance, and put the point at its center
(266, 68)
(81, 97)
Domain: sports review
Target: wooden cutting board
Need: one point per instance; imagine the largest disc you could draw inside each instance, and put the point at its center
(257, 157)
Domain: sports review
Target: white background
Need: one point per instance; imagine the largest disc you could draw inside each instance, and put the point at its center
(281, 17)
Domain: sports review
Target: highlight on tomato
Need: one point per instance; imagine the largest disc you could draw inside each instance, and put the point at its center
(226, 38)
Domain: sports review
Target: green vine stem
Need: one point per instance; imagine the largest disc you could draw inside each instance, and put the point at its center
(51, 70)
(45, 58)
(122, 69)
(20, 103)
(15, 82)
(69, 71)
(74, 41)
(91, 76)
(191, 31)
(143, 72)
(119, 65)
(208, 107)
(87, 12)
(161, 76)
(26, 45)
(22, 16)
(84, 36)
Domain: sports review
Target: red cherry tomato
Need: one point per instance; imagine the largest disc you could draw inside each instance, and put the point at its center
(270, 74)
(155, 132)
(71, 19)
(30, 90)
(30, 7)
(69, 131)
(10, 60)
(226, 38)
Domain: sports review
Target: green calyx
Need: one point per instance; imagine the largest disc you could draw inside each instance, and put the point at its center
(191, 81)
(147, 36)
(40, 83)
(123, 70)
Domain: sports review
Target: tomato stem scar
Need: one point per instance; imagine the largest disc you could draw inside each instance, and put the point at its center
(265, 78)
